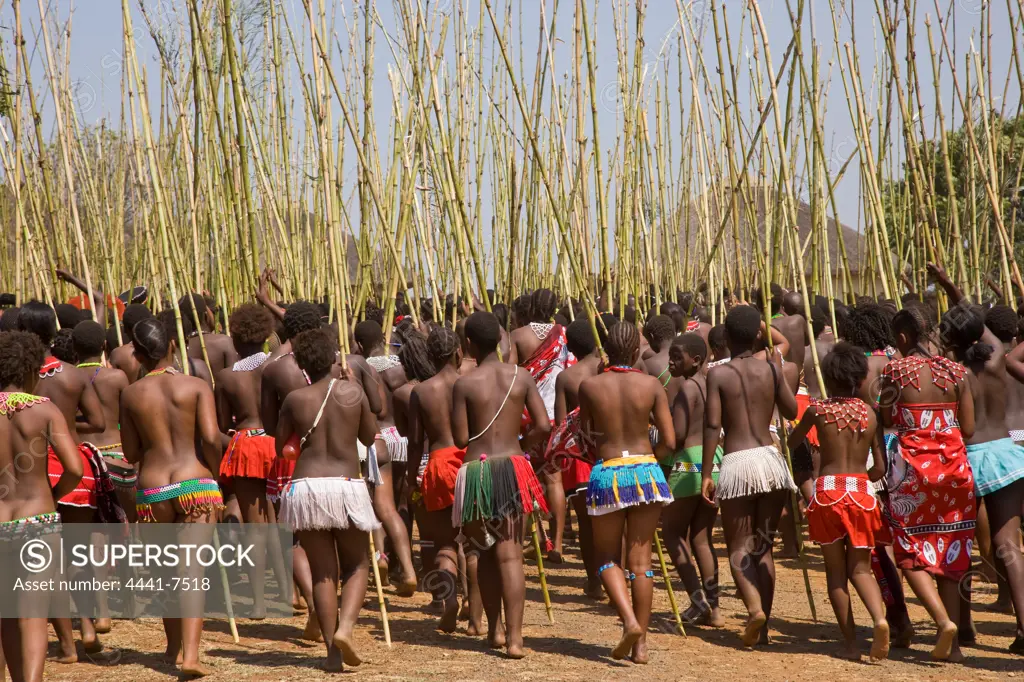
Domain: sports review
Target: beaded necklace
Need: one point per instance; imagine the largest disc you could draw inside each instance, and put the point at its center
(83, 365)
(845, 413)
(16, 401)
(623, 369)
(162, 370)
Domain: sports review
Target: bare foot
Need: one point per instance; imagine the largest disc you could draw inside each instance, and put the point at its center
(311, 633)
(555, 557)
(67, 659)
(474, 629)
(348, 651)
(333, 663)
(640, 653)
(298, 603)
(173, 658)
(849, 652)
(464, 611)
(752, 631)
(594, 590)
(382, 568)
(946, 639)
(787, 553)
(496, 639)
(880, 641)
(450, 618)
(630, 634)
(904, 635)
(515, 651)
(955, 656)
(102, 626)
(194, 670)
(92, 645)
(406, 588)
(716, 619)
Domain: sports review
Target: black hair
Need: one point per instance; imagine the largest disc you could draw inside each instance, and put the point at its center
(9, 320)
(692, 344)
(186, 301)
(251, 325)
(1003, 322)
(561, 319)
(133, 314)
(819, 320)
(89, 339)
(579, 338)
(315, 351)
(38, 318)
(623, 343)
(500, 311)
(368, 335)
(658, 330)
(170, 323)
(151, 339)
(604, 325)
(111, 338)
(483, 330)
(427, 309)
(521, 310)
(374, 313)
(629, 314)
(962, 328)
(868, 326)
(910, 321)
(301, 316)
(775, 303)
(415, 359)
(717, 338)
(743, 324)
(69, 316)
(21, 356)
(442, 344)
(543, 304)
(844, 369)
(64, 347)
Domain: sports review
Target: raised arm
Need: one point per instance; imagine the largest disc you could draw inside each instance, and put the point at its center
(938, 273)
(263, 296)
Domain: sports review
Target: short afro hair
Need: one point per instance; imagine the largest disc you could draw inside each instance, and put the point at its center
(369, 335)
(521, 310)
(604, 325)
(659, 330)
(743, 325)
(579, 338)
(374, 313)
(90, 339)
(868, 326)
(777, 295)
(819, 320)
(301, 316)
(623, 344)
(69, 316)
(133, 314)
(844, 369)
(9, 320)
(251, 325)
(414, 358)
(186, 302)
(500, 311)
(442, 344)
(543, 304)
(151, 339)
(483, 330)
(170, 323)
(38, 318)
(315, 351)
(910, 321)
(21, 356)
(717, 338)
(692, 344)
(111, 338)
(1002, 321)
(64, 347)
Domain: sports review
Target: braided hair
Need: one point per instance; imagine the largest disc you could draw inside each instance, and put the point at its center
(415, 359)
(962, 328)
(543, 304)
(442, 344)
(623, 343)
(151, 339)
(64, 347)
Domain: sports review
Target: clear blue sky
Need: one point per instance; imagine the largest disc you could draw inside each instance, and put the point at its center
(96, 44)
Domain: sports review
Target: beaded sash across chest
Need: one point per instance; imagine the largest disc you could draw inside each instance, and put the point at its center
(845, 413)
(16, 401)
(946, 374)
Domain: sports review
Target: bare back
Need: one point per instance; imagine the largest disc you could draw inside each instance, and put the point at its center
(69, 390)
(280, 377)
(108, 384)
(794, 328)
(845, 451)
(742, 395)
(123, 358)
(25, 488)
(988, 387)
(238, 399)
(616, 408)
(487, 409)
(219, 348)
(431, 409)
(688, 410)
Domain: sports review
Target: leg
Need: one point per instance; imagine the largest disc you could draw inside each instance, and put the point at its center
(952, 592)
(476, 604)
(769, 510)
(676, 520)
(703, 550)
(484, 559)
(194, 528)
(1005, 514)
(355, 567)
(608, 532)
(641, 522)
(324, 571)
(835, 557)
(251, 494)
(24, 647)
(508, 552)
(787, 525)
(594, 590)
(441, 579)
(924, 587)
(552, 477)
(384, 507)
(858, 569)
(739, 523)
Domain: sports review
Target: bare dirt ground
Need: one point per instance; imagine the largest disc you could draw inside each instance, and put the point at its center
(576, 647)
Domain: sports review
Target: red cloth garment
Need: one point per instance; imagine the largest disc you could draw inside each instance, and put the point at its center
(439, 477)
(249, 455)
(931, 507)
(803, 400)
(279, 476)
(84, 494)
(567, 451)
(96, 489)
(844, 507)
(544, 365)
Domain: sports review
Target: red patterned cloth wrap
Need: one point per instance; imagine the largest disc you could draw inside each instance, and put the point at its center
(931, 507)
(440, 476)
(803, 401)
(544, 365)
(250, 454)
(567, 451)
(496, 488)
(844, 507)
(95, 490)
(279, 477)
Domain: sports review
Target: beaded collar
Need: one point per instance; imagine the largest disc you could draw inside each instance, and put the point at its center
(250, 363)
(51, 366)
(845, 413)
(541, 330)
(16, 401)
(382, 363)
(622, 369)
(162, 370)
(904, 372)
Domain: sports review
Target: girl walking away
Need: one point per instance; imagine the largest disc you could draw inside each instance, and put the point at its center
(627, 488)
(689, 520)
(163, 415)
(844, 517)
(28, 511)
(932, 505)
(327, 503)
